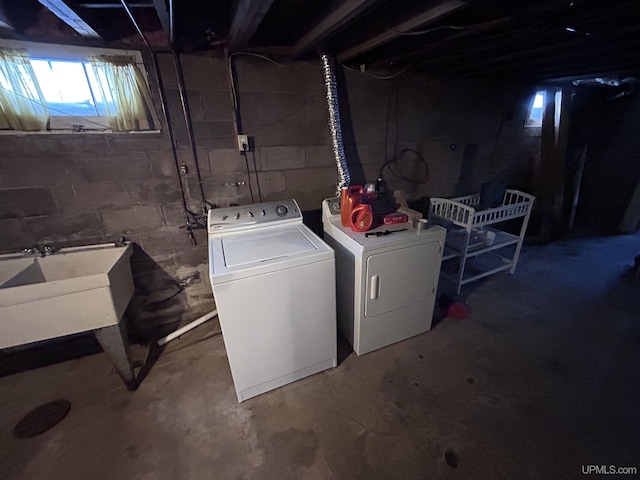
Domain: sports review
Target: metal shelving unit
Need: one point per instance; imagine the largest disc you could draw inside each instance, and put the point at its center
(473, 233)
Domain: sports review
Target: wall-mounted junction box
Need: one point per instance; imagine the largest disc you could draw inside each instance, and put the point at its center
(243, 143)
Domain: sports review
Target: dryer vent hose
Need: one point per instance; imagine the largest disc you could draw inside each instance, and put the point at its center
(331, 94)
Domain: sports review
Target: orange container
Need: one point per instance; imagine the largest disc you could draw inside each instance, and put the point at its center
(362, 218)
(349, 199)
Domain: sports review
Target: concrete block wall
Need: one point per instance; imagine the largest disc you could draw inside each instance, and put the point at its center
(86, 188)
(467, 132)
(282, 109)
(93, 188)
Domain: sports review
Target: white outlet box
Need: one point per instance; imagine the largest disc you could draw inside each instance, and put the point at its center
(243, 143)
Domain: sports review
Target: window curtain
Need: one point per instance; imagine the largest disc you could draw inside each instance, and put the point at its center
(122, 84)
(22, 105)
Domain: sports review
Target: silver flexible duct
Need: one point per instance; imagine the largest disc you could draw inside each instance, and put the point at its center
(331, 93)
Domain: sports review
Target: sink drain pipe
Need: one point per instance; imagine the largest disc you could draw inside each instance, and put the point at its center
(188, 327)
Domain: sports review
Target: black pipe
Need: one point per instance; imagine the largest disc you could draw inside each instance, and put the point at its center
(135, 24)
(172, 35)
(172, 138)
(187, 121)
(165, 111)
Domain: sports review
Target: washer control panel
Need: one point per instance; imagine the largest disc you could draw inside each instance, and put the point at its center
(252, 216)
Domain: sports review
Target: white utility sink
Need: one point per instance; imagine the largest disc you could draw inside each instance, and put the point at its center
(75, 290)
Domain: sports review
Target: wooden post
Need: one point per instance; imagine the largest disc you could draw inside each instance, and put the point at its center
(561, 125)
(555, 128)
(631, 218)
(576, 184)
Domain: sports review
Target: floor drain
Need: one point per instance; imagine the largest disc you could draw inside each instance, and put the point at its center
(41, 419)
(470, 380)
(451, 457)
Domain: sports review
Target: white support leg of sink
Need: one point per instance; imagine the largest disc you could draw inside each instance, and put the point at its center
(115, 342)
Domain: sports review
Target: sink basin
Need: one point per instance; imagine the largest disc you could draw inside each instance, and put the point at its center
(75, 290)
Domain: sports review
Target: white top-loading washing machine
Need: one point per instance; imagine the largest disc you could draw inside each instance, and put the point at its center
(386, 285)
(273, 282)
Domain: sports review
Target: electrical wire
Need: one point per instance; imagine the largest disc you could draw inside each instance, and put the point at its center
(454, 27)
(292, 113)
(255, 172)
(394, 166)
(234, 95)
(311, 64)
(234, 92)
(258, 55)
(236, 111)
(269, 59)
(265, 125)
(246, 161)
(424, 32)
(378, 77)
(386, 125)
(397, 122)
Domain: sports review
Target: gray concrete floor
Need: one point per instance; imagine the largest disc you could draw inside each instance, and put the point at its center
(542, 379)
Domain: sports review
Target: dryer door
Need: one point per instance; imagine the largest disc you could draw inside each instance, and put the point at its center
(398, 278)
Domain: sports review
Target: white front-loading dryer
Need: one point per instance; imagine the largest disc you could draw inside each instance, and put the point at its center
(385, 285)
(273, 282)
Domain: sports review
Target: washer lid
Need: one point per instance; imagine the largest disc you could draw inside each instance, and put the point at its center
(264, 246)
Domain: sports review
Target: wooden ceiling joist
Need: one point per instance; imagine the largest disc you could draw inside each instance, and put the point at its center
(4, 19)
(428, 16)
(558, 55)
(248, 17)
(549, 78)
(627, 62)
(555, 67)
(330, 24)
(70, 17)
(115, 5)
(459, 56)
(453, 38)
(492, 29)
(163, 15)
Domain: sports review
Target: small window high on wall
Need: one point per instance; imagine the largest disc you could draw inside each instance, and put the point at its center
(72, 92)
(534, 116)
(48, 88)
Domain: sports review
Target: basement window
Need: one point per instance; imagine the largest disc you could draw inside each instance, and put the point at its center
(534, 116)
(50, 88)
(72, 93)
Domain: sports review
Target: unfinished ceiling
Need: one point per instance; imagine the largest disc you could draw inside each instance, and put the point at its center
(544, 40)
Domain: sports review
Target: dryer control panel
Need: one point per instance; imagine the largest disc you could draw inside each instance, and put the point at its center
(255, 215)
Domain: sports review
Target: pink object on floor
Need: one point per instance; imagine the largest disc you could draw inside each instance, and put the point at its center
(458, 311)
